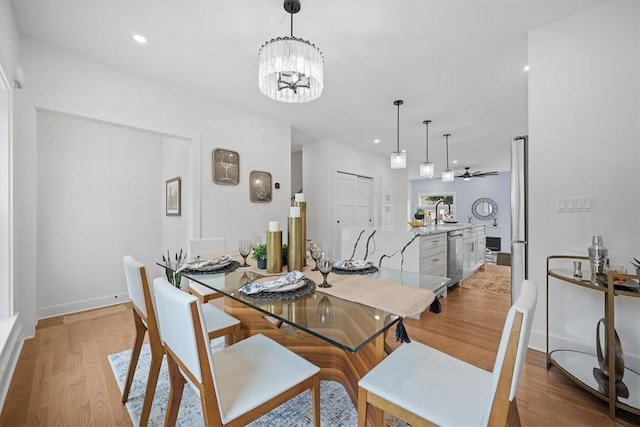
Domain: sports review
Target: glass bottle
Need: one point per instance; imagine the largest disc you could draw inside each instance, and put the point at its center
(597, 256)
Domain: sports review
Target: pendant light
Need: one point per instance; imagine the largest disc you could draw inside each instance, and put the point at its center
(427, 168)
(447, 175)
(290, 69)
(398, 158)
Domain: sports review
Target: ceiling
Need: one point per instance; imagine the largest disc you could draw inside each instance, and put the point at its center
(458, 63)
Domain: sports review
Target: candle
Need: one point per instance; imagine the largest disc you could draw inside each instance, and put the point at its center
(274, 226)
(299, 197)
(294, 212)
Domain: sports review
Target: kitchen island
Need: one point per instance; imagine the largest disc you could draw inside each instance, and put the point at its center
(446, 250)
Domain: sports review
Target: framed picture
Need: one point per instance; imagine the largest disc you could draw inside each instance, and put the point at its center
(260, 187)
(225, 166)
(174, 196)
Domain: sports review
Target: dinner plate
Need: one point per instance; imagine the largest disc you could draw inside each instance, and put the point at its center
(286, 288)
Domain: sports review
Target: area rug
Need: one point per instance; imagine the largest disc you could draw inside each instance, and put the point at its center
(495, 279)
(336, 408)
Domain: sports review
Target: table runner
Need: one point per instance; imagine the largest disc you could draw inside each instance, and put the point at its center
(395, 298)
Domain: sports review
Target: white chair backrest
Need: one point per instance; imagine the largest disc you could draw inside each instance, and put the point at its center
(177, 328)
(134, 283)
(525, 304)
(200, 247)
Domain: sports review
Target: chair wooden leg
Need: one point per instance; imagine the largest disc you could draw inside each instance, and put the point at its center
(513, 418)
(362, 407)
(175, 393)
(135, 354)
(152, 381)
(315, 399)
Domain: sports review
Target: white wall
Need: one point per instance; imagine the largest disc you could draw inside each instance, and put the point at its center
(98, 199)
(59, 81)
(175, 163)
(584, 140)
(320, 162)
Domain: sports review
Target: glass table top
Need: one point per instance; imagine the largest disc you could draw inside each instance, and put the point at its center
(345, 324)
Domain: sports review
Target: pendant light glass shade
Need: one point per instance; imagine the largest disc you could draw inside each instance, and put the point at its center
(427, 168)
(447, 174)
(290, 69)
(398, 158)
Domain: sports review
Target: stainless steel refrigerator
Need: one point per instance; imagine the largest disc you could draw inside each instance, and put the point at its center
(519, 209)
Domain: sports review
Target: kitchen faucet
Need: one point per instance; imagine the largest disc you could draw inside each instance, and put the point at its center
(437, 203)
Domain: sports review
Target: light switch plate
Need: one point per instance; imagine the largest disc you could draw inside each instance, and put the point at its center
(575, 204)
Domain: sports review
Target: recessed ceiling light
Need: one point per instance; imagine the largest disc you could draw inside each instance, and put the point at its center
(454, 162)
(526, 68)
(376, 141)
(140, 39)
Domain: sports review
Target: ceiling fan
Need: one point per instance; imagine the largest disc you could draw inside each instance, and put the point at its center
(467, 175)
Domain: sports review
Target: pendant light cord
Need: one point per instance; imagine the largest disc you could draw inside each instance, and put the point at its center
(398, 129)
(447, 135)
(426, 122)
(291, 23)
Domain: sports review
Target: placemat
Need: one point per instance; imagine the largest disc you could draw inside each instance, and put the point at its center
(232, 266)
(368, 270)
(309, 287)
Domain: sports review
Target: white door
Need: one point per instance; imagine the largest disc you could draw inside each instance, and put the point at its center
(353, 202)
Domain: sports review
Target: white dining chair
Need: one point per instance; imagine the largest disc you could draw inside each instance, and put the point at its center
(201, 248)
(236, 385)
(218, 324)
(424, 386)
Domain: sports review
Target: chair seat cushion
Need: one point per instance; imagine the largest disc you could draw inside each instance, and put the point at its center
(253, 371)
(216, 319)
(413, 377)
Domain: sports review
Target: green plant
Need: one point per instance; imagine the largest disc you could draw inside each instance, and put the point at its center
(260, 252)
(419, 211)
(172, 277)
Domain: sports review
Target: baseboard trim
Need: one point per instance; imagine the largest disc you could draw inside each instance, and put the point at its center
(74, 307)
(10, 349)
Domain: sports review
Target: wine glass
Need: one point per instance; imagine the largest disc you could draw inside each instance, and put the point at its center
(325, 265)
(255, 241)
(315, 249)
(244, 247)
(225, 161)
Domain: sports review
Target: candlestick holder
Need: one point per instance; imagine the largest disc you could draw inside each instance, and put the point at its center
(274, 251)
(303, 217)
(295, 243)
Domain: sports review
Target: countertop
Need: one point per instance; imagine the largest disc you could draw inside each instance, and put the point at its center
(431, 229)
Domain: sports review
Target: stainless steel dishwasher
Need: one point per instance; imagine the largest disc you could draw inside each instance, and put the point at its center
(455, 258)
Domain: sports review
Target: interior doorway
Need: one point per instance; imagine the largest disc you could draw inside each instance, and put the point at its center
(354, 202)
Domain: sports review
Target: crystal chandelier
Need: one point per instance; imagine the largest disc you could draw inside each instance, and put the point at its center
(398, 158)
(447, 175)
(290, 69)
(427, 168)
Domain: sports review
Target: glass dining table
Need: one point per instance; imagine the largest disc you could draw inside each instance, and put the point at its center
(344, 338)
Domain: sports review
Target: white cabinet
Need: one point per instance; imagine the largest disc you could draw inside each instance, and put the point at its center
(433, 254)
(481, 246)
(473, 254)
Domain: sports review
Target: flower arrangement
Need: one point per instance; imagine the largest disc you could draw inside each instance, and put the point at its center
(172, 277)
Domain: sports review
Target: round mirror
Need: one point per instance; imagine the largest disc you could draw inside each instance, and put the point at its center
(484, 208)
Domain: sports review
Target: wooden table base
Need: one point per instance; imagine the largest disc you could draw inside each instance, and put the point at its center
(335, 363)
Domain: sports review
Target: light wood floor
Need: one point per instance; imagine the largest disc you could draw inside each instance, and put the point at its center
(64, 377)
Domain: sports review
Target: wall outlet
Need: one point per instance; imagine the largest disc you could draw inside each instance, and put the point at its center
(576, 204)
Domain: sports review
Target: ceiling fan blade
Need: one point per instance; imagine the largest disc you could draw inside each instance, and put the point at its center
(479, 173)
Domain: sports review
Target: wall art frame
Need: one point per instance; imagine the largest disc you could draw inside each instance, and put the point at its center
(173, 197)
(225, 166)
(260, 187)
